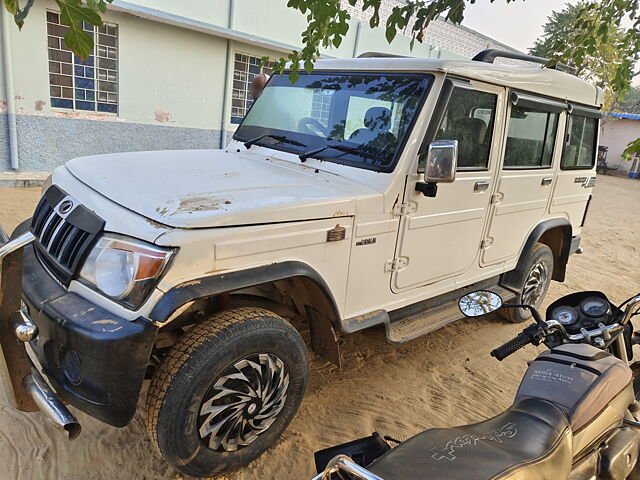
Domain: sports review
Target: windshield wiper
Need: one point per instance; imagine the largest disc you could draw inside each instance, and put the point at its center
(281, 138)
(341, 148)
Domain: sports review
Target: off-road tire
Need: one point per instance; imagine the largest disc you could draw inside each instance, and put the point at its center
(191, 367)
(539, 254)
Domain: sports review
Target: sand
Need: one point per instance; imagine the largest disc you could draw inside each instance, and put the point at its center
(442, 379)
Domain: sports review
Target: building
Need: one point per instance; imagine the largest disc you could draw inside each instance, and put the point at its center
(616, 133)
(164, 74)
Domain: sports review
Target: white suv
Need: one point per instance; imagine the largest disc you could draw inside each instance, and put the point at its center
(373, 191)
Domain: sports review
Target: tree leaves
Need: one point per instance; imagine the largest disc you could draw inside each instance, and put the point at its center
(19, 14)
(632, 149)
(74, 14)
(328, 24)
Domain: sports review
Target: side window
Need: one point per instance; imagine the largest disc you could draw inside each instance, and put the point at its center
(579, 149)
(531, 137)
(469, 118)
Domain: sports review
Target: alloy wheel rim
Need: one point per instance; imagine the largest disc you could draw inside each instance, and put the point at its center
(535, 284)
(243, 402)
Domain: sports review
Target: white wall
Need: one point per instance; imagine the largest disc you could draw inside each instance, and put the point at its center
(616, 134)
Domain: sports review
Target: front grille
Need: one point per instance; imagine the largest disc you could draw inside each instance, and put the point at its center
(65, 231)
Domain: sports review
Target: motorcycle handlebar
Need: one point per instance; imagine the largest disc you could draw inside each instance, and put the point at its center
(512, 346)
(534, 334)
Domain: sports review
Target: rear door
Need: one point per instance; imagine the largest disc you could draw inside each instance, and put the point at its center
(577, 173)
(440, 238)
(526, 178)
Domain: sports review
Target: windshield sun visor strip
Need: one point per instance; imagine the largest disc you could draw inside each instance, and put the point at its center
(583, 111)
(540, 103)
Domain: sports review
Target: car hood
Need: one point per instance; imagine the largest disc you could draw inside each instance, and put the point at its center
(208, 188)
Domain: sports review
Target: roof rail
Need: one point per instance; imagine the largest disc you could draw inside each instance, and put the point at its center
(381, 55)
(489, 55)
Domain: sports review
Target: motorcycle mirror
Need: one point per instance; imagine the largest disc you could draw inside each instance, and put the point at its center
(480, 302)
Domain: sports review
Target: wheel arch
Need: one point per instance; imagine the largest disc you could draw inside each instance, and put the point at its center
(301, 283)
(556, 233)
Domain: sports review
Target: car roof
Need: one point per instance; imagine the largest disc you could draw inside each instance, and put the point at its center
(534, 79)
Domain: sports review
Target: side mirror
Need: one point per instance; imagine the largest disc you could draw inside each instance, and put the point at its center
(481, 302)
(440, 167)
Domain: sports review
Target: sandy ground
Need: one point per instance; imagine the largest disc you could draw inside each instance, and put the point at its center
(442, 379)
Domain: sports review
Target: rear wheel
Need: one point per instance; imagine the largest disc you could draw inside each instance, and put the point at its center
(535, 278)
(226, 391)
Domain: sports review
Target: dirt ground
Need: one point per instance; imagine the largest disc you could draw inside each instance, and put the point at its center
(442, 379)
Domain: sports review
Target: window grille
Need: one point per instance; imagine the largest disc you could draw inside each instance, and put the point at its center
(87, 85)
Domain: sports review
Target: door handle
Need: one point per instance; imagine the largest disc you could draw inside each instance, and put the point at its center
(546, 181)
(480, 186)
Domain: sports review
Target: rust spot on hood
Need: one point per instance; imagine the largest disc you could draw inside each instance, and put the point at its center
(198, 203)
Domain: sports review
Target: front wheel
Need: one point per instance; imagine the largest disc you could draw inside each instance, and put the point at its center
(226, 391)
(534, 281)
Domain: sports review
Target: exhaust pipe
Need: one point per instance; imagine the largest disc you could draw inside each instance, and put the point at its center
(50, 404)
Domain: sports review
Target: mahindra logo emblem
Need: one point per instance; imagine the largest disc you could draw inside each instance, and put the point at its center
(65, 207)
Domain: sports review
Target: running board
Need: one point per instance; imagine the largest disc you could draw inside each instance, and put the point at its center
(419, 324)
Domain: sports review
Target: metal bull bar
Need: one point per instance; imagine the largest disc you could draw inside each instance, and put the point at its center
(14, 362)
(340, 465)
(25, 389)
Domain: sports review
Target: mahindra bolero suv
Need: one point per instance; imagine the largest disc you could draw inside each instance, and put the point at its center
(371, 192)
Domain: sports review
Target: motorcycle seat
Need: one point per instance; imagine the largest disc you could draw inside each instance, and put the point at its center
(532, 439)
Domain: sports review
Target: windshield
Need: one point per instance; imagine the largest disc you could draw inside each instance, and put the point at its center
(366, 116)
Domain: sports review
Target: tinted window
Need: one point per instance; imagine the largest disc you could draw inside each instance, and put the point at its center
(369, 113)
(531, 137)
(579, 148)
(469, 119)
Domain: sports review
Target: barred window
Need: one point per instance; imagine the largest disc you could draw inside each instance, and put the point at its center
(89, 85)
(245, 69)
(320, 105)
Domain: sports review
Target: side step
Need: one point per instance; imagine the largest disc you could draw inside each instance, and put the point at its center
(419, 324)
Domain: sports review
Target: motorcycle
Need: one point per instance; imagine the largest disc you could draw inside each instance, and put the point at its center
(573, 417)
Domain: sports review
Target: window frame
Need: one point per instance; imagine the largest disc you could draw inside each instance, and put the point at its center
(449, 85)
(95, 33)
(582, 113)
(541, 104)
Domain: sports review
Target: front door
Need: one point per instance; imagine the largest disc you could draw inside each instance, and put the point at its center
(440, 237)
(527, 177)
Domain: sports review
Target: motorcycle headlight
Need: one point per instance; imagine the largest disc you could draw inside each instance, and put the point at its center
(124, 269)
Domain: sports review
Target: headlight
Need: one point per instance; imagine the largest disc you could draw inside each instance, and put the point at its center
(124, 269)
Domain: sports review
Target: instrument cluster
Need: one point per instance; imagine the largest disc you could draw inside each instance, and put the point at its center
(590, 312)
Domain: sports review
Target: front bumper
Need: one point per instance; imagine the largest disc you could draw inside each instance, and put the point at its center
(94, 359)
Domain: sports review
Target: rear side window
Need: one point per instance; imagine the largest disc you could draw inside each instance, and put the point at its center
(531, 137)
(580, 143)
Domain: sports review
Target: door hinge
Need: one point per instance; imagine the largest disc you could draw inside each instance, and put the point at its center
(405, 208)
(396, 264)
(497, 198)
(487, 242)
